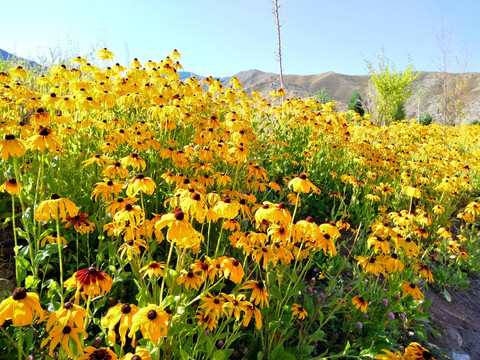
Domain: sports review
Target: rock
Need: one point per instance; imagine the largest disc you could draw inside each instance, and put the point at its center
(454, 336)
(460, 356)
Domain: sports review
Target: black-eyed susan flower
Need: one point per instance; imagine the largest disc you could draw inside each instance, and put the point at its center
(213, 305)
(60, 334)
(90, 281)
(389, 355)
(409, 288)
(253, 311)
(115, 170)
(206, 320)
(11, 186)
(54, 208)
(299, 311)
(233, 270)
(235, 305)
(133, 214)
(107, 189)
(140, 354)
(153, 269)
(68, 314)
(53, 238)
(301, 184)
(135, 161)
(119, 204)
(415, 351)
(11, 146)
(152, 321)
(80, 223)
(190, 279)
(360, 303)
(44, 139)
(23, 308)
(259, 293)
(424, 271)
(140, 183)
(119, 317)
(103, 353)
(226, 208)
(105, 54)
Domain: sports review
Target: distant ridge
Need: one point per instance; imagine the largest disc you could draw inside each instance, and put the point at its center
(5, 55)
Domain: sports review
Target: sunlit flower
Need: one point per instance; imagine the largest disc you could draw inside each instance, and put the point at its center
(152, 321)
(360, 303)
(23, 308)
(90, 281)
(119, 317)
(11, 186)
(54, 208)
(259, 294)
(12, 147)
(299, 311)
(92, 353)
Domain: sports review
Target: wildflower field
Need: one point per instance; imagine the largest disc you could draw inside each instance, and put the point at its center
(161, 219)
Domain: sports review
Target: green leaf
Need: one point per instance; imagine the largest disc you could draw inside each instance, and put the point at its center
(23, 266)
(31, 282)
(447, 295)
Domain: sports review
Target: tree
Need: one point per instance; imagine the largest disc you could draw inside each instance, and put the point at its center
(276, 20)
(453, 97)
(393, 87)
(399, 112)
(322, 96)
(355, 103)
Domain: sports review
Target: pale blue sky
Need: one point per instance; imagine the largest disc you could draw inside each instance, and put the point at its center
(223, 37)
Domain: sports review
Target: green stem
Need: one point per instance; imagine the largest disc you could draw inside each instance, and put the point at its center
(219, 240)
(16, 242)
(7, 335)
(59, 244)
(166, 269)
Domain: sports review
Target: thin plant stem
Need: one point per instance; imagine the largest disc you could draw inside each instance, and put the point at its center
(60, 257)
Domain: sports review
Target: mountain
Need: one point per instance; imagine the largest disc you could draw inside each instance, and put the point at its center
(4, 55)
(427, 89)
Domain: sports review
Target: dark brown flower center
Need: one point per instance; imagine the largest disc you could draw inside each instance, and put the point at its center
(10, 137)
(55, 197)
(260, 285)
(44, 132)
(92, 270)
(302, 176)
(126, 308)
(67, 330)
(136, 357)
(68, 305)
(190, 274)
(140, 177)
(413, 286)
(152, 314)
(12, 181)
(19, 294)
(179, 215)
(128, 207)
(226, 200)
(216, 301)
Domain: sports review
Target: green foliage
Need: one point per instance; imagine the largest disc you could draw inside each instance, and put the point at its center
(425, 119)
(322, 96)
(393, 87)
(355, 103)
(399, 113)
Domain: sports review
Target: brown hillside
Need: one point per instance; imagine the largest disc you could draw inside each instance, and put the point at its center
(426, 89)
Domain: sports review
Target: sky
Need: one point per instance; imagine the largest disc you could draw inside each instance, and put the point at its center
(223, 37)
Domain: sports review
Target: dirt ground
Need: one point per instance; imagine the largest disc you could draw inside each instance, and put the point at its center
(458, 321)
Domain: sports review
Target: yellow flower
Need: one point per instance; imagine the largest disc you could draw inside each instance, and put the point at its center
(411, 289)
(190, 279)
(62, 335)
(259, 293)
(154, 269)
(12, 147)
(11, 186)
(152, 321)
(104, 353)
(90, 281)
(298, 310)
(415, 351)
(300, 183)
(360, 303)
(56, 206)
(44, 139)
(140, 183)
(22, 308)
(105, 54)
(119, 317)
